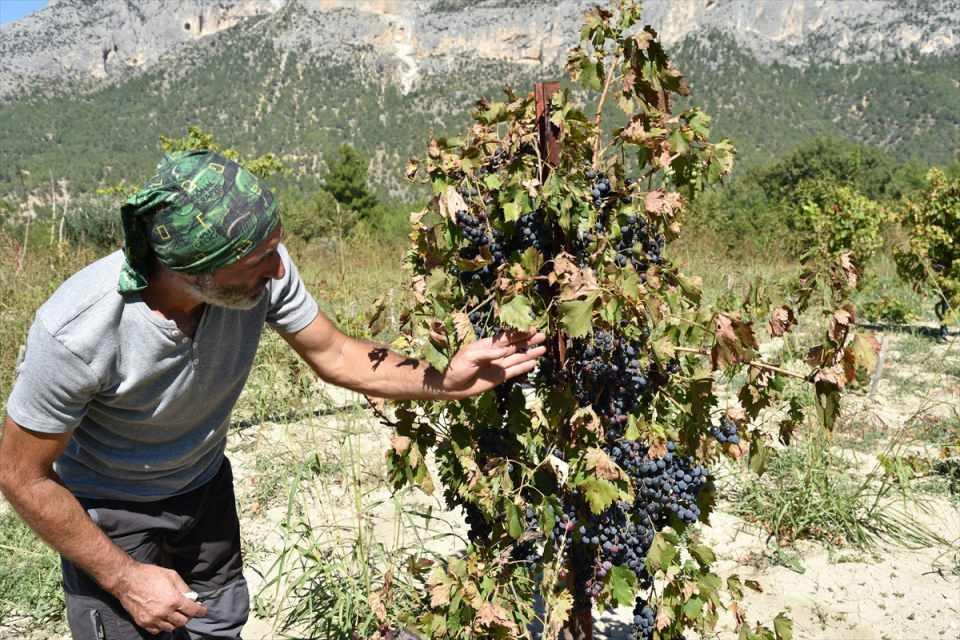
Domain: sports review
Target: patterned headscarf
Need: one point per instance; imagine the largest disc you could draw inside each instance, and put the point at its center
(199, 212)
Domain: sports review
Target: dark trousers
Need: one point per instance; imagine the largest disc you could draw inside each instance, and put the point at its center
(196, 534)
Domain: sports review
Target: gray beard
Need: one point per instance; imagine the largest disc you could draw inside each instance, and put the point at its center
(229, 298)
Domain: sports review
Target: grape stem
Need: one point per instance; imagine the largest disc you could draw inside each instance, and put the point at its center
(597, 118)
(756, 364)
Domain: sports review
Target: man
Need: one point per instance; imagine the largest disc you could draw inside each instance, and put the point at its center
(113, 446)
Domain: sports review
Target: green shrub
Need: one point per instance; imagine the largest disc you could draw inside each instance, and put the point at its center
(834, 219)
(930, 259)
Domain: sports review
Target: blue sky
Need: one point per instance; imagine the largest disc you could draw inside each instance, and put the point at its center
(11, 10)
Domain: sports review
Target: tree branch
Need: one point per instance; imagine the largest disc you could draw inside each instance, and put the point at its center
(756, 364)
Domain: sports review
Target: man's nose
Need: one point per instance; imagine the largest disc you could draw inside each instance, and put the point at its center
(277, 269)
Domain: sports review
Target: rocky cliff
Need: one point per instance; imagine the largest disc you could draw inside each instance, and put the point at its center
(84, 44)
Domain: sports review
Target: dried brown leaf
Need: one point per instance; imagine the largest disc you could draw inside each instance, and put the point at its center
(657, 450)
(782, 320)
(491, 614)
(603, 466)
(849, 269)
(734, 341)
(463, 327)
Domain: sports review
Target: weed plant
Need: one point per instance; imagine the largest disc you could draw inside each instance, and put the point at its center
(29, 577)
(343, 571)
(811, 491)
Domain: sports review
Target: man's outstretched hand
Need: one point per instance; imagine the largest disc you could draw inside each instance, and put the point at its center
(483, 364)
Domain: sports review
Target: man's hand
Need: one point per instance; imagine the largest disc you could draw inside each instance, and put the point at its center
(155, 598)
(482, 365)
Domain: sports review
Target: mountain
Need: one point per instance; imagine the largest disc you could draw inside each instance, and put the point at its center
(87, 86)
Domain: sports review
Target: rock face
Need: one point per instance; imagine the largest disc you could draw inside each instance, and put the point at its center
(82, 44)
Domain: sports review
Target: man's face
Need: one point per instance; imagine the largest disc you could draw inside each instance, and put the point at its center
(242, 284)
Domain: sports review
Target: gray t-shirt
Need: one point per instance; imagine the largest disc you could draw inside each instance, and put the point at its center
(148, 406)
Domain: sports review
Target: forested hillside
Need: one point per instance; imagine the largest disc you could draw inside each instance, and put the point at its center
(263, 86)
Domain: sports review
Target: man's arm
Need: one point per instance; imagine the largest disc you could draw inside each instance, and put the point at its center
(152, 595)
(374, 370)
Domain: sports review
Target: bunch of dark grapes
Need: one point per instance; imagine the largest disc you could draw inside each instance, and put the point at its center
(564, 529)
(609, 374)
(476, 234)
(483, 322)
(644, 620)
(525, 551)
(494, 161)
(725, 432)
(618, 539)
(639, 245)
(664, 486)
(601, 188)
(533, 230)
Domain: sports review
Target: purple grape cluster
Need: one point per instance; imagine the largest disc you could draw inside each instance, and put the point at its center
(639, 245)
(726, 431)
(612, 374)
(666, 486)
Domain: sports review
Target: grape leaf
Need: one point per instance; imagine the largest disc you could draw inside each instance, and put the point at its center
(661, 553)
(517, 313)
(600, 493)
(692, 608)
(559, 606)
(783, 627)
(433, 356)
(576, 316)
(703, 554)
(623, 585)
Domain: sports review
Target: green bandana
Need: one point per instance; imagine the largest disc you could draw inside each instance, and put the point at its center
(200, 212)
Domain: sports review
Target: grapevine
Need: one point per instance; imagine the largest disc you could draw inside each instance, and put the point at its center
(582, 483)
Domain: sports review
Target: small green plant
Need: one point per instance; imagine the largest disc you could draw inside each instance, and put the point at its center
(837, 219)
(29, 574)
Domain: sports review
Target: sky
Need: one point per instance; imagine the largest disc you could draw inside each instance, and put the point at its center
(11, 10)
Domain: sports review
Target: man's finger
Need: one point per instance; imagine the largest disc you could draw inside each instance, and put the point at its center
(517, 358)
(519, 369)
(191, 609)
(515, 337)
(177, 619)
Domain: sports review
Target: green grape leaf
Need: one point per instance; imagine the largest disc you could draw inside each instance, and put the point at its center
(511, 211)
(783, 627)
(703, 554)
(576, 316)
(661, 554)
(591, 73)
(433, 356)
(692, 608)
(600, 493)
(517, 313)
(623, 585)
